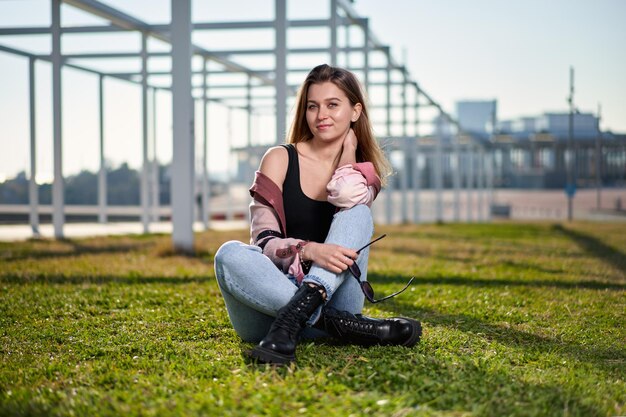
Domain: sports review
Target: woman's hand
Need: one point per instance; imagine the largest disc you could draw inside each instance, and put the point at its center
(333, 258)
(348, 152)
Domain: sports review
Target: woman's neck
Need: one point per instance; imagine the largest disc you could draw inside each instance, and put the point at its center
(324, 152)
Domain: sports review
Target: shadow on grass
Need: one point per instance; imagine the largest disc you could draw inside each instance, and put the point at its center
(100, 279)
(608, 359)
(595, 247)
(471, 257)
(496, 282)
(73, 248)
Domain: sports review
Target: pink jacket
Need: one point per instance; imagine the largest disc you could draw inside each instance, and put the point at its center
(350, 185)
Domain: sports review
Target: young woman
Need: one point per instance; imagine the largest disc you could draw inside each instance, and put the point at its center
(310, 212)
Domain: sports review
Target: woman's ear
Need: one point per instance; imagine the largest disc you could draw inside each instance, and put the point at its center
(356, 112)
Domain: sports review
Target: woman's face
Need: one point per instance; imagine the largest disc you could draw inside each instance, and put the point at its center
(329, 112)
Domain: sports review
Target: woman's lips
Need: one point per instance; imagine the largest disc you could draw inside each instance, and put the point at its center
(323, 127)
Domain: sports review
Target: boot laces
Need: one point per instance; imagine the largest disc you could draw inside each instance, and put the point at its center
(293, 318)
(352, 323)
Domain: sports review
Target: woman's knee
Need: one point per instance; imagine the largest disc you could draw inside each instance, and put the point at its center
(226, 258)
(361, 215)
(227, 252)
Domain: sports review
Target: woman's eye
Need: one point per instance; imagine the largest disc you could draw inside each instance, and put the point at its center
(331, 105)
(311, 106)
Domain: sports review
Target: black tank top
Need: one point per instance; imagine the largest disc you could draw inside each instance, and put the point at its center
(306, 218)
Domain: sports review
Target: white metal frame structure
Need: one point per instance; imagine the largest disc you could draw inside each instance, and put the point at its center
(466, 157)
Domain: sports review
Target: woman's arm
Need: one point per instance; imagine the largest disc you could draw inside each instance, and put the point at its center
(348, 152)
(352, 183)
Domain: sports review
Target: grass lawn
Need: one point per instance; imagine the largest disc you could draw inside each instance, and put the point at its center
(519, 320)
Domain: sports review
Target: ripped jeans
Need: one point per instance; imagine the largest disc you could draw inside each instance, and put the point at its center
(254, 289)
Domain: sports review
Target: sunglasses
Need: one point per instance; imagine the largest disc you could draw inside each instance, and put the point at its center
(367, 289)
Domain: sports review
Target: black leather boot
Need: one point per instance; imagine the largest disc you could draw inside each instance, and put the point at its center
(279, 346)
(366, 331)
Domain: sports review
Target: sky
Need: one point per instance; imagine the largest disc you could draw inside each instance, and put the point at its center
(517, 52)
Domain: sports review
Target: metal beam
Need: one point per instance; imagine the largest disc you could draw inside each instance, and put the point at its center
(266, 72)
(102, 175)
(215, 53)
(144, 192)
(160, 28)
(206, 189)
(128, 22)
(155, 161)
(58, 197)
(456, 177)
(333, 32)
(366, 56)
(281, 68)
(33, 192)
(183, 167)
(388, 97)
(438, 175)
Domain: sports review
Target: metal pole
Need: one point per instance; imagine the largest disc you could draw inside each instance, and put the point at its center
(145, 206)
(58, 194)
(33, 192)
(490, 170)
(417, 177)
(347, 40)
(388, 93)
(470, 182)
(155, 161)
(405, 117)
(333, 32)
(280, 27)
(438, 171)
(182, 185)
(598, 161)
(456, 177)
(366, 55)
(390, 188)
(571, 187)
(249, 173)
(206, 189)
(102, 175)
(248, 125)
(481, 184)
(229, 144)
(404, 180)
(389, 199)
(490, 175)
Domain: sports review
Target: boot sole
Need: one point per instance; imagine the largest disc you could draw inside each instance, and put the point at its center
(262, 355)
(415, 336)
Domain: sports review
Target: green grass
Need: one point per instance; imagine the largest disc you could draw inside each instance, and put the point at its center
(519, 320)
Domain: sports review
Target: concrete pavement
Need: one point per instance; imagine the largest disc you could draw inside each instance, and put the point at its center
(9, 233)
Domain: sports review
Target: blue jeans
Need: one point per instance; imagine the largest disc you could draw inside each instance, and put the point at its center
(254, 289)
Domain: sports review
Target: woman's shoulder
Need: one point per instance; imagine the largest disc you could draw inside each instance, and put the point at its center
(275, 154)
(274, 164)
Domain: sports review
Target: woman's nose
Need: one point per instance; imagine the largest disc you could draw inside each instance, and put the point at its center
(322, 114)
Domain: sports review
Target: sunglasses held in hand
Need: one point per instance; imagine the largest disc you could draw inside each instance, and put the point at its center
(367, 289)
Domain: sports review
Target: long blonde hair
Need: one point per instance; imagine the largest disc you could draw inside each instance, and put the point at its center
(368, 149)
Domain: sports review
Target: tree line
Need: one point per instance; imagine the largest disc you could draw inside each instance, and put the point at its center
(123, 188)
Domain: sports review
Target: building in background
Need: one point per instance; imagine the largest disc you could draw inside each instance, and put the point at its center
(586, 126)
(477, 116)
(533, 151)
